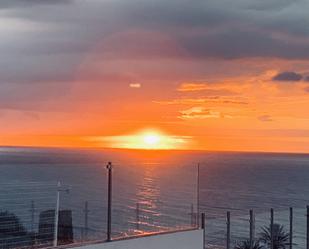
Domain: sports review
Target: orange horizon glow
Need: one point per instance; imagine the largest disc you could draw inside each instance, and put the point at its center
(224, 83)
(149, 139)
(246, 111)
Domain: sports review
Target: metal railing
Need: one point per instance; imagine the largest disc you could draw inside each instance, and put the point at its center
(31, 212)
(38, 214)
(270, 229)
(26, 218)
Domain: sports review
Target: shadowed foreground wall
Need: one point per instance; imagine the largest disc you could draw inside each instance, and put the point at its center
(178, 240)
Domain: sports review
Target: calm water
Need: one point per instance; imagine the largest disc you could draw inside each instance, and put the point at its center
(164, 185)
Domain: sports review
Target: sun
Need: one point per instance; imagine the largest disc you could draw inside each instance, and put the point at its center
(152, 139)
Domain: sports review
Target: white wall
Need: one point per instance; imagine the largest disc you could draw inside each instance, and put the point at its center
(178, 240)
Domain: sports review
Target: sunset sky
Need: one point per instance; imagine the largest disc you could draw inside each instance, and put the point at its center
(195, 74)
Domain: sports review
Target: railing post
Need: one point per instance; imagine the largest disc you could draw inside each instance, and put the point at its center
(192, 214)
(32, 210)
(271, 228)
(86, 211)
(198, 196)
(203, 225)
(109, 202)
(291, 229)
(252, 232)
(137, 216)
(307, 237)
(55, 243)
(228, 230)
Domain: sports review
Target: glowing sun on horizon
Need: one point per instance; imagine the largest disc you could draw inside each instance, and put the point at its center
(147, 139)
(152, 139)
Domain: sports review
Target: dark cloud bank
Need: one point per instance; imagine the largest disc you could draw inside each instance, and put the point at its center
(48, 38)
(290, 77)
(28, 3)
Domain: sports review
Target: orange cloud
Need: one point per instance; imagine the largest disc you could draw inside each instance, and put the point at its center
(199, 113)
(190, 87)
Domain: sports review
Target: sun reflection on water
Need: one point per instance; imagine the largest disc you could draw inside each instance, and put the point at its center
(148, 197)
(149, 190)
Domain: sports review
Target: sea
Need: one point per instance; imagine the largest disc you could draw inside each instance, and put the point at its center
(155, 191)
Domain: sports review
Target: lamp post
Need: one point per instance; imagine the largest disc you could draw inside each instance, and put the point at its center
(109, 201)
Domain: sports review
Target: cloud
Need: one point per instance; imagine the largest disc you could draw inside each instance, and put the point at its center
(208, 88)
(265, 118)
(245, 42)
(288, 76)
(193, 110)
(191, 87)
(205, 100)
(199, 112)
(34, 96)
(306, 89)
(29, 3)
(49, 42)
(245, 30)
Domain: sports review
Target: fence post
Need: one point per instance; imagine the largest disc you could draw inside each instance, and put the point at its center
(307, 237)
(55, 243)
(109, 202)
(291, 229)
(192, 216)
(203, 225)
(198, 197)
(137, 216)
(86, 211)
(228, 230)
(272, 228)
(252, 232)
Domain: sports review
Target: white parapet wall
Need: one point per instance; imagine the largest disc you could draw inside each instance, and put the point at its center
(178, 240)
